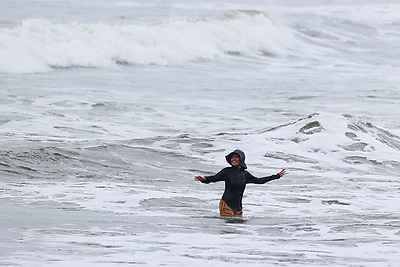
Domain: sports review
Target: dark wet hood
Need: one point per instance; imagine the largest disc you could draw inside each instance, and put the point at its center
(241, 155)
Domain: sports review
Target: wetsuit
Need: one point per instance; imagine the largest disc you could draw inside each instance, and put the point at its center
(235, 184)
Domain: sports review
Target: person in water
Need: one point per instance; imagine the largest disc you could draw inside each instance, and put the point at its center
(235, 177)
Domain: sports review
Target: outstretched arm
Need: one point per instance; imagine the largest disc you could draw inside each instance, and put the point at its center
(252, 179)
(220, 176)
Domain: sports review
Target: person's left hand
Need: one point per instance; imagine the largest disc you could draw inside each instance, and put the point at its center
(199, 178)
(282, 172)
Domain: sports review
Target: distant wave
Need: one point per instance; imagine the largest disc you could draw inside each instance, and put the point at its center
(40, 45)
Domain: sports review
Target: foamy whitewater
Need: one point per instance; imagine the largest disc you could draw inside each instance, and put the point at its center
(110, 108)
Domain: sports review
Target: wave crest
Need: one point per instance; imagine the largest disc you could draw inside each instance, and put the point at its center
(334, 139)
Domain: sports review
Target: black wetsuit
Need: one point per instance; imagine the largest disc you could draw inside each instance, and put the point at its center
(235, 184)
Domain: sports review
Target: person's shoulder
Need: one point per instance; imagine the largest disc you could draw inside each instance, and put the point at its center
(224, 170)
(247, 172)
(227, 169)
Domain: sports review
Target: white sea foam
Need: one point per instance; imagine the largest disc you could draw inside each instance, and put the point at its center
(97, 164)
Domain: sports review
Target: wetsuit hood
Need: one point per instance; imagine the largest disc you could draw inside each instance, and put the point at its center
(241, 155)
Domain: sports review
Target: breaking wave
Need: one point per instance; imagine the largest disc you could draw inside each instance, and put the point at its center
(344, 141)
(40, 45)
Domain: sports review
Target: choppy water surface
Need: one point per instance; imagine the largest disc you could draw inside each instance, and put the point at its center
(106, 118)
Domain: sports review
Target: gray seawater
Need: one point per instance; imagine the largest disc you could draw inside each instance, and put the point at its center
(97, 161)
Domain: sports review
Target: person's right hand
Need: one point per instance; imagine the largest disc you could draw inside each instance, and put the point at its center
(199, 178)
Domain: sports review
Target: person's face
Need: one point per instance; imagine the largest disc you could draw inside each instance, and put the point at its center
(235, 160)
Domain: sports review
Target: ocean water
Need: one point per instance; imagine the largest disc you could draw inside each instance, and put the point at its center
(110, 108)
